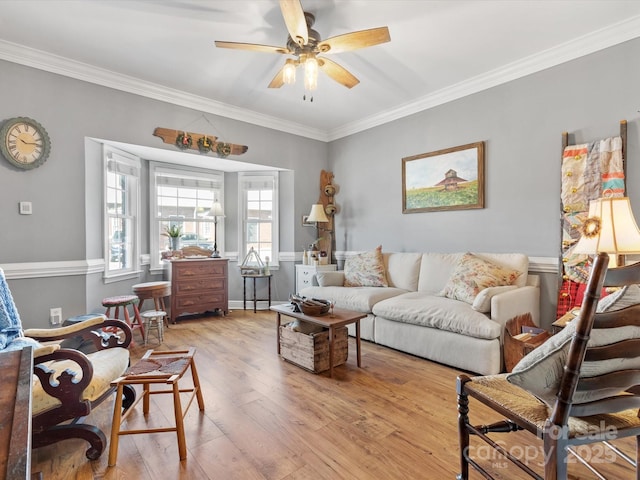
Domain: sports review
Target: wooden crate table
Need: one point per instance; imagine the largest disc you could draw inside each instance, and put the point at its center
(341, 318)
(161, 368)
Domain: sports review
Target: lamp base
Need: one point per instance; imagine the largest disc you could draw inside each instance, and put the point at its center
(215, 254)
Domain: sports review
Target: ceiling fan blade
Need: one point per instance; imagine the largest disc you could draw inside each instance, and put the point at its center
(338, 73)
(253, 47)
(278, 80)
(355, 40)
(295, 21)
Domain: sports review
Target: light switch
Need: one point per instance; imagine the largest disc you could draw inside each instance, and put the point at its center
(25, 208)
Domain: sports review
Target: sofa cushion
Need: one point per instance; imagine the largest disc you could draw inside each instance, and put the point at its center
(436, 268)
(473, 274)
(427, 310)
(360, 299)
(365, 270)
(330, 279)
(402, 269)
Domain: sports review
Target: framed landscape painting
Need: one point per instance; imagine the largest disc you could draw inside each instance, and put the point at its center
(449, 179)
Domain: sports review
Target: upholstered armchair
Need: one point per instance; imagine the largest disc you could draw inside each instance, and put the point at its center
(67, 383)
(70, 384)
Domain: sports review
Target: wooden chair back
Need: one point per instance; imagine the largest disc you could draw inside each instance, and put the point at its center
(626, 383)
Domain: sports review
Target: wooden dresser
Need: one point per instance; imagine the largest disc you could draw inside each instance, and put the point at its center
(198, 286)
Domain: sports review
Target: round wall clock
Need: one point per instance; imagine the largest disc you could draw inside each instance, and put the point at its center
(24, 142)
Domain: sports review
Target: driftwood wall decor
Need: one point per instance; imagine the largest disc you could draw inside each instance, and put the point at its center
(198, 141)
(327, 240)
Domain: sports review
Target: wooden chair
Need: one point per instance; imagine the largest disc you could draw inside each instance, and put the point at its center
(583, 409)
(71, 384)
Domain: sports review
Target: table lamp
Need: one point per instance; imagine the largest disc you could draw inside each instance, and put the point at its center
(611, 228)
(317, 215)
(215, 212)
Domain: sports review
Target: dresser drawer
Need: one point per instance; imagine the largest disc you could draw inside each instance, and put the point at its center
(199, 269)
(200, 302)
(197, 285)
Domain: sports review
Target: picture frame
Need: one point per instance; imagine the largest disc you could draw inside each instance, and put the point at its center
(306, 222)
(448, 179)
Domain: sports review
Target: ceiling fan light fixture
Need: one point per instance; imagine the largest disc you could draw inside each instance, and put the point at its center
(311, 73)
(289, 72)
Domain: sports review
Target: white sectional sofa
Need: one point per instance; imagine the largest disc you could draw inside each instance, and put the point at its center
(411, 315)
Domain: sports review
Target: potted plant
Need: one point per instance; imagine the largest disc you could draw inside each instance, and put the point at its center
(174, 233)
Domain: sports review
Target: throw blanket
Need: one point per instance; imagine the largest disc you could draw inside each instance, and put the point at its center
(10, 325)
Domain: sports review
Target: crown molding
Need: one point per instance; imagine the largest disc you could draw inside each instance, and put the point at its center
(576, 48)
(581, 46)
(30, 57)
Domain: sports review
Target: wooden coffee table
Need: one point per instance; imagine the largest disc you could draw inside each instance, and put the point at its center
(341, 318)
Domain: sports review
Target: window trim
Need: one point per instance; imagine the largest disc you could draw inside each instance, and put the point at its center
(243, 178)
(111, 154)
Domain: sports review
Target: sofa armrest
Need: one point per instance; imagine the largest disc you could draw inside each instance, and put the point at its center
(512, 303)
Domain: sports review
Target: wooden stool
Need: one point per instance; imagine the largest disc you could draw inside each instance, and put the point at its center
(123, 301)
(162, 368)
(156, 291)
(153, 320)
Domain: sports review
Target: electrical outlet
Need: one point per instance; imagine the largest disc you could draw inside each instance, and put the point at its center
(55, 316)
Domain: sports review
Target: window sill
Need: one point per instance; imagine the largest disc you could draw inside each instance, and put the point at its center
(121, 276)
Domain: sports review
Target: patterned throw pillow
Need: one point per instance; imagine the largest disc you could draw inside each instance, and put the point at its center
(365, 270)
(473, 274)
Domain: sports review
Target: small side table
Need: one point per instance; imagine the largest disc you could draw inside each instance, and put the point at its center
(560, 323)
(255, 299)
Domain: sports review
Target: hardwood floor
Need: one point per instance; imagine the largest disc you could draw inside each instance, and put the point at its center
(265, 418)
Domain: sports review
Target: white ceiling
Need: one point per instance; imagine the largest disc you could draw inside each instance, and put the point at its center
(439, 51)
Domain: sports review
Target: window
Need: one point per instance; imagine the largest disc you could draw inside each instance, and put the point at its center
(182, 198)
(259, 214)
(121, 184)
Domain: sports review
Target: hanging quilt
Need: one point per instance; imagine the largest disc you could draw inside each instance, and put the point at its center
(589, 171)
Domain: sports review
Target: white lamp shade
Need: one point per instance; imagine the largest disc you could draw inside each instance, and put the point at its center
(216, 210)
(618, 233)
(317, 214)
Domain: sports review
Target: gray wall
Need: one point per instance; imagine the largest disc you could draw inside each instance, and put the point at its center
(521, 123)
(66, 192)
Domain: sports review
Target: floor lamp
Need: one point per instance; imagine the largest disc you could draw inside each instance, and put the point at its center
(215, 212)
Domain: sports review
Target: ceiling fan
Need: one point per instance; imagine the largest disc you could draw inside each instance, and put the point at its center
(306, 45)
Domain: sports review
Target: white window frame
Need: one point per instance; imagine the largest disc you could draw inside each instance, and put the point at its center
(189, 174)
(244, 181)
(115, 160)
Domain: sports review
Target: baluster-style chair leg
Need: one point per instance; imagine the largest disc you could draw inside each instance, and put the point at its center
(463, 433)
